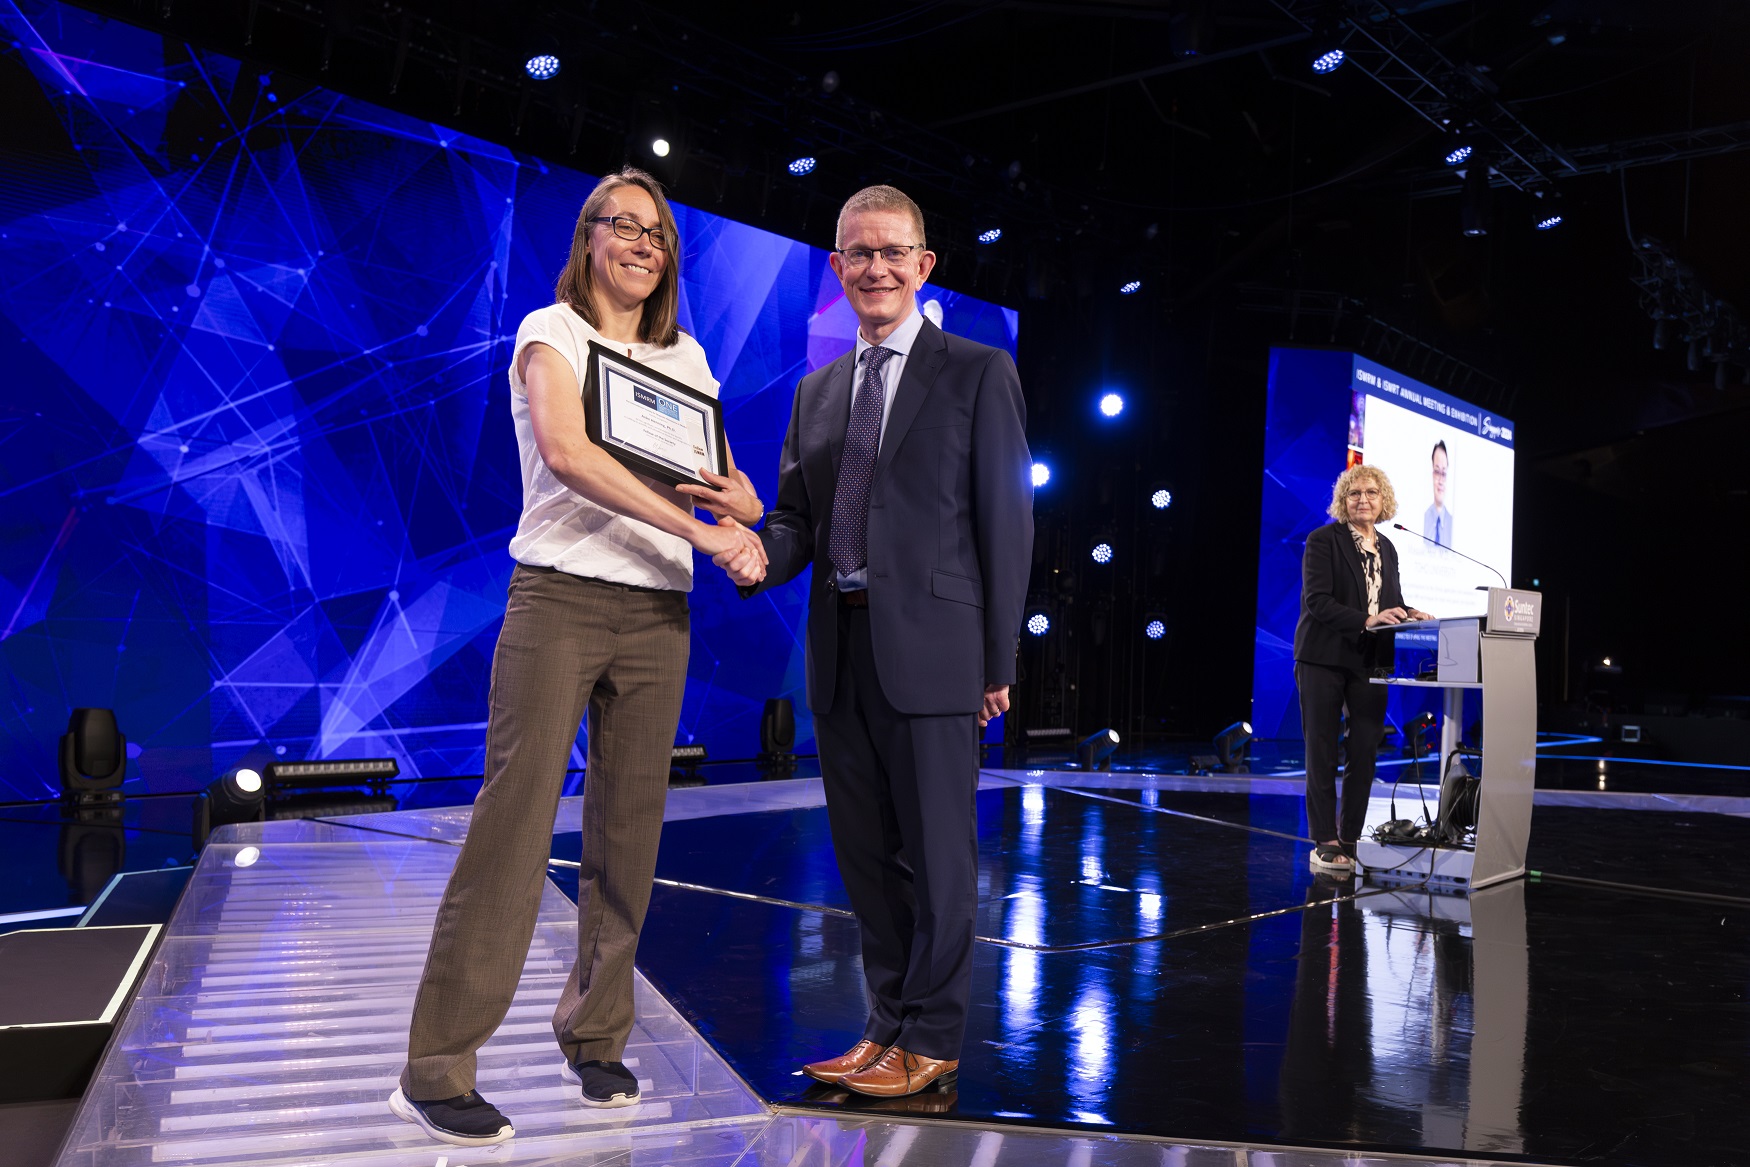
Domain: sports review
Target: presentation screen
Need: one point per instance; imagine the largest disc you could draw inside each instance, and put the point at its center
(1450, 464)
(260, 472)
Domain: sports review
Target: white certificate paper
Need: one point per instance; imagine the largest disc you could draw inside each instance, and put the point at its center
(664, 427)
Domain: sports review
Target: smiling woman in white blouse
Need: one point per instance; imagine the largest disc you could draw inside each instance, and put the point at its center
(597, 623)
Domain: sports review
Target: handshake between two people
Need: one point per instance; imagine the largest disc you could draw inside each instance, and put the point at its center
(731, 544)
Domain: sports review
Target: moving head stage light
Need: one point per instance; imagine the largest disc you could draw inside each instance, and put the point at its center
(1233, 747)
(93, 762)
(1095, 751)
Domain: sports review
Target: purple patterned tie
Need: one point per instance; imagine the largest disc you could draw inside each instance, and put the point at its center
(848, 545)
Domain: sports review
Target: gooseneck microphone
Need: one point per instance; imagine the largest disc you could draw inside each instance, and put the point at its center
(1460, 554)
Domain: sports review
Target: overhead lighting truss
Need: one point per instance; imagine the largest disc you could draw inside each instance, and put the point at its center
(1448, 95)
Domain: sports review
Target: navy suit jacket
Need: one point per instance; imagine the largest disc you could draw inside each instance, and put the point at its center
(950, 524)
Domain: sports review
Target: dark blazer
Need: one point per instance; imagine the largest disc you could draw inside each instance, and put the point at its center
(950, 524)
(1333, 602)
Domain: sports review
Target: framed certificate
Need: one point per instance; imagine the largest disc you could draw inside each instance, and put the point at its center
(653, 424)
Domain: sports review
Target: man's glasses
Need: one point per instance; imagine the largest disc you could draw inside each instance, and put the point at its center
(629, 229)
(895, 256)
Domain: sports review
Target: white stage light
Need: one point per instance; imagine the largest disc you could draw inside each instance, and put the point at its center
(660, 147)
(1041, 474)
(542, 66)
(802, 165)
(1111, 405)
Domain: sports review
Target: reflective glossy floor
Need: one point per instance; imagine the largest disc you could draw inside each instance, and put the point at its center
(1161, 961)
(1160, 979)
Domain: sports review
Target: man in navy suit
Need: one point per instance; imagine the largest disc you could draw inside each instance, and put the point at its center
(906, 483)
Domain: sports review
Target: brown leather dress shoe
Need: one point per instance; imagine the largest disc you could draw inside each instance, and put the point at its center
(860, 1056)
(897, 1073)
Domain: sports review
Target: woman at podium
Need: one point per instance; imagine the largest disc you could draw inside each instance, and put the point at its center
(1349, 601)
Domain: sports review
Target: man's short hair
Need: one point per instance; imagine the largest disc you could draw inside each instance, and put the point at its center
(1439, 448)
(879, 198)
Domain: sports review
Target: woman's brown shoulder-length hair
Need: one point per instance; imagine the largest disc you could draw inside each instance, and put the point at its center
(576, 284)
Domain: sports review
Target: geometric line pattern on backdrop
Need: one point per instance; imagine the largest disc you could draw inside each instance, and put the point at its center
(257, 469)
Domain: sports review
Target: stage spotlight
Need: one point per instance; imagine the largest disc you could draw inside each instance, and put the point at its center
(1155, 629)
(1041, 474)
(1038, 623)
(239, 796)
(1458, 154)
(93, 762)
(1095, 751)
(542, 66)
(1102, 553)
(1546, 220)
(1111, 405)
(660, 147)
(1328, 60)
(1161, 498)
(1233, 747)
(802, 165)
(990, 236)
(1131, 288)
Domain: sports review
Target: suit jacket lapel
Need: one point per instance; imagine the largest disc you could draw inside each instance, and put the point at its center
(835, 407)
(1352, 556)
(928, 353)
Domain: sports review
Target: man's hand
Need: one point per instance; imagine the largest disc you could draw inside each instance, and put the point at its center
(996, 701)
(735, 549)
(733, 498)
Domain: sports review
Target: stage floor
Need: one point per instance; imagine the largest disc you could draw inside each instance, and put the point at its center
(1160, 979)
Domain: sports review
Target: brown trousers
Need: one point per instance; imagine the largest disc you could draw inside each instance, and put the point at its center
(567, 642)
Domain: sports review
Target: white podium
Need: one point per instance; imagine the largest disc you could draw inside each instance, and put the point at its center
(1495, 653)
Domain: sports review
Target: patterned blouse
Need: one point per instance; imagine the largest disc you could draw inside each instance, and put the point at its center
(1370, 568)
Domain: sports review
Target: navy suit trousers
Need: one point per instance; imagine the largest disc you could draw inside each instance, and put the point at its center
(900, 791)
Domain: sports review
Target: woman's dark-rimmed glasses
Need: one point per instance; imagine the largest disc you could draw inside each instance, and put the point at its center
(629, 229)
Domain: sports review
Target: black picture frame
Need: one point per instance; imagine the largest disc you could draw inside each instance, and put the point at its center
(611, 383)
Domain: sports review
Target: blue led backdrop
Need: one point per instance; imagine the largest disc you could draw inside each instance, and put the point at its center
(258, 470)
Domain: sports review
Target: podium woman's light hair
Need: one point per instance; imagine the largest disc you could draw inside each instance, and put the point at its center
(576, 284)
(1347, 481)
